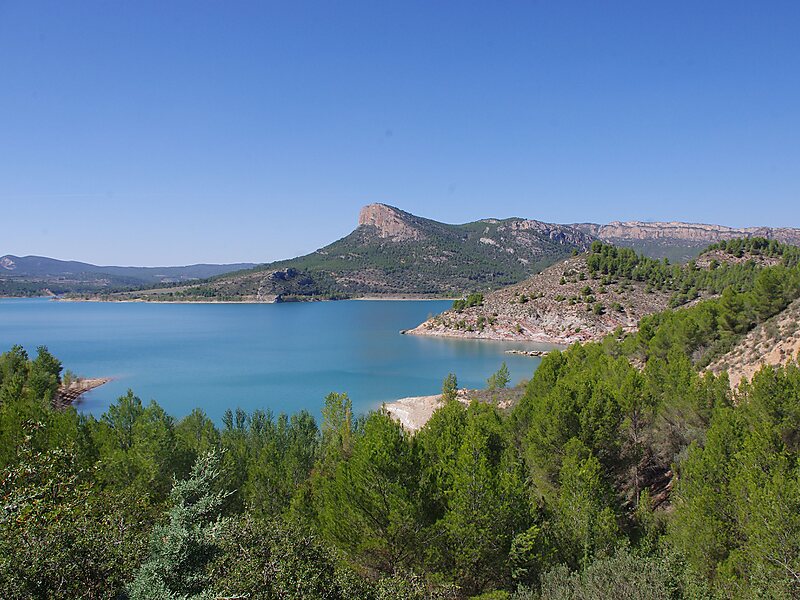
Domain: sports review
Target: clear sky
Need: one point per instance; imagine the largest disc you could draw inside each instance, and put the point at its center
(169, 132)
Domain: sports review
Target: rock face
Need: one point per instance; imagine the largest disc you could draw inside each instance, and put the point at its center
(389, 222)
(694, 233)
(565, 235)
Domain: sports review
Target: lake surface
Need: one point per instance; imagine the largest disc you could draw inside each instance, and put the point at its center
(283, 357)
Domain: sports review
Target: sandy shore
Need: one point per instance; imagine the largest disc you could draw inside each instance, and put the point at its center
(413, 412)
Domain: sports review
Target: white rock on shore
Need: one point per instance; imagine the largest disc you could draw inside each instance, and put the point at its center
(413, 412)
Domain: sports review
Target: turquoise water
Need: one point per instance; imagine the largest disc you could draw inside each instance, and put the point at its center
(283, 357)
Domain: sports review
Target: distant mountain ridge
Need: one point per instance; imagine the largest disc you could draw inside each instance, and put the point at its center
(676, 240)
(41, 265)
(25, 275)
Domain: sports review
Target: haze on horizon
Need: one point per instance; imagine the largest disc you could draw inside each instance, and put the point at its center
(152, 134)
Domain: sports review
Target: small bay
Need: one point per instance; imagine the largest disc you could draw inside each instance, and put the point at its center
(278, 357)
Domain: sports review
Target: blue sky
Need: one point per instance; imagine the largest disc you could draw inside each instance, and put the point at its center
(174, 132)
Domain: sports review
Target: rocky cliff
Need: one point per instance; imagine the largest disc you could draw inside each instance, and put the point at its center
(676, 240)
(389, 222)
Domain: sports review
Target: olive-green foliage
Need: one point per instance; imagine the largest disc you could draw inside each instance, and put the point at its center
(13, 374)
(625, 575)
(575, 394)
(27, 388)
(487, 504)
(759, 246)
(586, 522)
(272, 560)
(138, 446)
(712, 327)
(590, 422)
(688, 281)
(369, 506)
(44, 375)
(474, 496)
(470, 301)
(267, 459)
(438, 444)
(61, 535)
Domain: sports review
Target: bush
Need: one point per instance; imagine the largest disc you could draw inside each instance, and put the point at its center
(625, 575)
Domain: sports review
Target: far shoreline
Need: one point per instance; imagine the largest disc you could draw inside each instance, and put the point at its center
(309, 301)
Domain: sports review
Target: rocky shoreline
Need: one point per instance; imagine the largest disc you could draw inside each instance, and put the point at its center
(534, 353)
(70, 394)
(499, 335)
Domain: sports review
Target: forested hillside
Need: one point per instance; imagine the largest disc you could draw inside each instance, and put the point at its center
(626, 471)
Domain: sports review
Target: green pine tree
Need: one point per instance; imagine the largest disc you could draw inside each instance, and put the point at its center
(450, 388)
(500, 379)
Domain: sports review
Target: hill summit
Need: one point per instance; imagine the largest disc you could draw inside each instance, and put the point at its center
(389, 222)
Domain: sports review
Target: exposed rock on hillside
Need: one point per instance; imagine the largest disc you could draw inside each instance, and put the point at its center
(774, 342)
(560, 305)
(389, 222)
(708, 259)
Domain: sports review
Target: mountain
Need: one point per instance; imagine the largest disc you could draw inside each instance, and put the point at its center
(679, 242)
(28, 275)
(392, 252)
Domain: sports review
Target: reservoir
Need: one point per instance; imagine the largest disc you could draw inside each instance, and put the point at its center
(278, 357)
